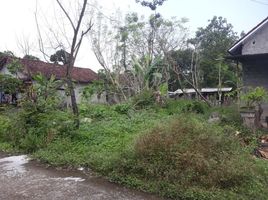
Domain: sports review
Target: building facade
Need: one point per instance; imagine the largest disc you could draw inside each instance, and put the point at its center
(29, 68)
(252, 52)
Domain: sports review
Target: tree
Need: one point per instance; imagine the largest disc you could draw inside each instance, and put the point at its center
(7, 53)
(60, 56)
(46, 89)
(75, 46)
(14, 67)
(79, 30)
(151, 4)
(132, 51)
(26, 46)
(183, 59)
(151, 42)
(9, 84)
(213, 42)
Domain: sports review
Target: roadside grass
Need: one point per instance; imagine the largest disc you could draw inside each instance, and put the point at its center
(170, 150)
(6, 147)
(101, 141)
(191, 159)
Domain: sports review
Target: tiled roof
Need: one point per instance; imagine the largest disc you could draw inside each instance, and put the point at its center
(33, 67)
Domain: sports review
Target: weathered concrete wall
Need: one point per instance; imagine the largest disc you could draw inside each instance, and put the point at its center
(257, 43)
(5, 70)
(255, 73)
(78, 87)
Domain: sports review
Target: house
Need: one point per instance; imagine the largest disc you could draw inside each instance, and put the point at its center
(252, 52)
(81, 76)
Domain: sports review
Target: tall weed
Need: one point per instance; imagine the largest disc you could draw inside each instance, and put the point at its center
(191, 158)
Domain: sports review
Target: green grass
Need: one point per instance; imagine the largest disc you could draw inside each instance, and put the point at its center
(6, 147)
(191, 159)
(171, 150)
(100, 142)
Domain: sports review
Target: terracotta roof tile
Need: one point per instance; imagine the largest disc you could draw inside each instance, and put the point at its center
(33, 67)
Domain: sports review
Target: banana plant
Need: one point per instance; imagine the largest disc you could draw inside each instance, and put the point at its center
(147, 73)
(45, 87)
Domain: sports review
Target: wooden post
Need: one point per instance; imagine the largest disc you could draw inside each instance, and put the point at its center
(238, 84)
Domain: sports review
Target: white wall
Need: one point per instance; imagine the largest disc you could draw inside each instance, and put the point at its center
(61, 93)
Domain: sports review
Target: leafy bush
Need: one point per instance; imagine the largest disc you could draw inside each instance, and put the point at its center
(196, 107)
(186, 106)
(122, 108)
(254, 96)
(183, 157)
(229, 115)
(97, 111)
(30, 131)
(4, 126)
(144, 99)
(174, 106)
(39, 119)
(100, 143)
(65, 151)
(97, 87)
(6, 147)
(189, 159)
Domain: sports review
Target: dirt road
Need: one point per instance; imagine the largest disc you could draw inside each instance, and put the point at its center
(22, 179)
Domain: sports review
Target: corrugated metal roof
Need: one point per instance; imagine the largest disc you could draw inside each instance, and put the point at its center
(203, 90)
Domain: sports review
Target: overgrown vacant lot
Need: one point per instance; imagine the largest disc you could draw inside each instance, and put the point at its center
(171, 150)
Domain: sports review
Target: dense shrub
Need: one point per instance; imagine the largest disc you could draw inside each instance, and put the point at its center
(123, 108)
(174, 106)
(196, 107)
(30, 131)
(99, 143)
(97, 111)
(186, 106)
(188, 158)
(229, 115)
(39, 119)
(4, 126)
(144, 99)
(184, 157)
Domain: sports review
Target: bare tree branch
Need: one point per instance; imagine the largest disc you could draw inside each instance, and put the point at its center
(40, 40)
(77, 47)
(23, 44)
(66, 14)
(179, 73)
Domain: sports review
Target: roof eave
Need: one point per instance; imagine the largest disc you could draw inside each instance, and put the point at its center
(252, 31)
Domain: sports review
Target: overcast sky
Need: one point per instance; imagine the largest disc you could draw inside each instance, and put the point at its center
(18, 22)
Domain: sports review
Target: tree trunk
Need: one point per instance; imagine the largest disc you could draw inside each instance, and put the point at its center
(73, 102)
(179, 73)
